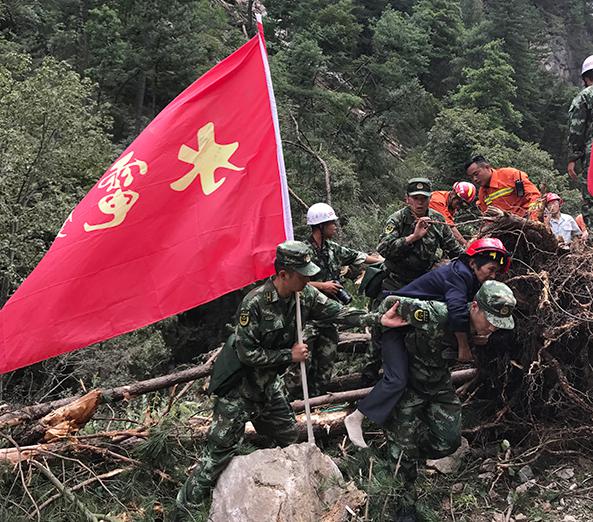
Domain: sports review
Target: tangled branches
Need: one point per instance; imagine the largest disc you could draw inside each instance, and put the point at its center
(543, 370)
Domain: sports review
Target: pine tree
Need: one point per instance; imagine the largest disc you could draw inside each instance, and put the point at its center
(441, 21)
(491, 88)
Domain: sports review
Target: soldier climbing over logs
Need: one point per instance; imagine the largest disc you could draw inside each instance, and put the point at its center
(246, 378)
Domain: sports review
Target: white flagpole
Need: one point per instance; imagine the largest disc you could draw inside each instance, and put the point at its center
(279, 155)
(299, 325)
(287, 217)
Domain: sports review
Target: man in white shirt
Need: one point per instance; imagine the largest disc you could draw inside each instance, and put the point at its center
(563, 226)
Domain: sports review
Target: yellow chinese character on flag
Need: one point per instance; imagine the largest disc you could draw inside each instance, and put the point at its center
(122, 171)
(209, 157)
(117, 204)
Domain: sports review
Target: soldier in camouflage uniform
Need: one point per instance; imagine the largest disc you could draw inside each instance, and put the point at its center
(330, 257)
(580, 136)
(246, 377)
(413, 242)
(414, 239)
(426, 423)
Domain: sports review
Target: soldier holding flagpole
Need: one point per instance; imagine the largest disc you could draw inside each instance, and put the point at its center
(246, 377)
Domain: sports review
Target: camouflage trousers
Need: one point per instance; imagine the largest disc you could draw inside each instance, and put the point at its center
(323, 344)
(587, 204)
(322, 341)
(273, 418)
(423, 426)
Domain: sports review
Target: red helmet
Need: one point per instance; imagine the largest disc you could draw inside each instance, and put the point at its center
(492, 247)
(465, 190)
(551, 196)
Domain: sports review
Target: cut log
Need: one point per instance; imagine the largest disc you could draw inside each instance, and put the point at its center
(354, 343)
(37, 411)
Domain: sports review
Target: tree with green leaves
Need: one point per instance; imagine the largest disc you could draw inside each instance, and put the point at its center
(55, 145)
(441, 21)
(491, 88)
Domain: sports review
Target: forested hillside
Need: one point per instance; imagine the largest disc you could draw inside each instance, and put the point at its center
(370, 93)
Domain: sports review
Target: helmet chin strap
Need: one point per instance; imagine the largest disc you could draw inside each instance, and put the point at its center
(320, 227)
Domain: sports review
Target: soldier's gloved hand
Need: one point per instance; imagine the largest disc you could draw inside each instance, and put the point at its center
(300, 352)
(390, 319)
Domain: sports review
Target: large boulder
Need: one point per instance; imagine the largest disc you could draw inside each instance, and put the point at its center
(294, 484)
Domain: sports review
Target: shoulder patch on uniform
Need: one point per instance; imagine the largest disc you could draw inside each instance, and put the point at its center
(422, 316)
(244, 318)
(389, 228)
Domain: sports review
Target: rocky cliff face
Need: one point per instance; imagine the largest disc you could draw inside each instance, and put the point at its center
(560, 60)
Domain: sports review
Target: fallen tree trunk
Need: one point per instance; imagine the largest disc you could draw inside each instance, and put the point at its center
(329, 423)
(351, 342)
(36, 411)
(332, 398)
(457, 377)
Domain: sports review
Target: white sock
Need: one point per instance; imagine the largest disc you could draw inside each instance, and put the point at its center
(353, 424)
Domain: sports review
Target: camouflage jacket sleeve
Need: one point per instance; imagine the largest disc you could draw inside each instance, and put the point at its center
(392, 244)
(577, 126)
(429, 316)
(248, 343)
(348, 256)
(323, 309)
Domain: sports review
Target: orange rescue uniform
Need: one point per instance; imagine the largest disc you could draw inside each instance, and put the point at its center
(438, 202)
(501, 193)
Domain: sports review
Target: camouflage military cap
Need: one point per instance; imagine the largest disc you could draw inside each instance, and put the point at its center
(296, 255)
(498, 302)
(419, 186)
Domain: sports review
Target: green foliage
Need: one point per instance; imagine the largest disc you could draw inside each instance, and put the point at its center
(54, 146)
(460, 133)
(441, 20)
(156, 450)
(370, 93)
(491, 88)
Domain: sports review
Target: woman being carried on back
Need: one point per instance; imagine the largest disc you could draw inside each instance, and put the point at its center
(456, 284)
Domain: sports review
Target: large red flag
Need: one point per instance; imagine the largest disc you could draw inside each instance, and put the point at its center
(192, 209)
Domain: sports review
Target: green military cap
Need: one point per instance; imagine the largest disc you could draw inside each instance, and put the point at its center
(498, 302)
(419, 186)
(296, 255)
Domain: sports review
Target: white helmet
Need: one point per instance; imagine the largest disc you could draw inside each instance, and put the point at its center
(320, 213)
(587, 65)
